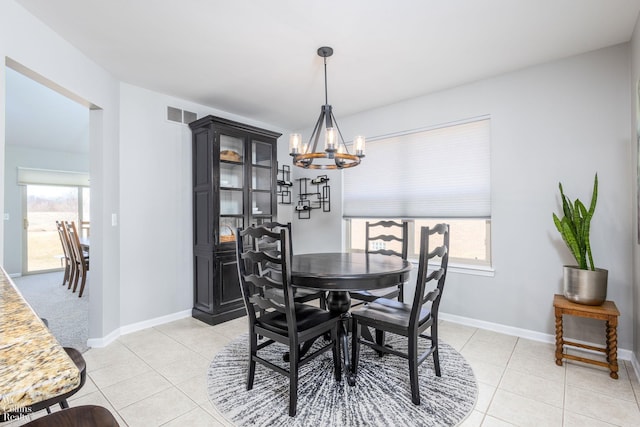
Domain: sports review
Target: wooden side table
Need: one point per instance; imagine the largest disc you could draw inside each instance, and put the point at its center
(607, 312)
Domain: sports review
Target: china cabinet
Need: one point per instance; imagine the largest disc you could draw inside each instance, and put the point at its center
(234, 185)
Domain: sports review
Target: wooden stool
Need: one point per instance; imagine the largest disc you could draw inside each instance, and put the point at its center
(79, 416)
(607, 312)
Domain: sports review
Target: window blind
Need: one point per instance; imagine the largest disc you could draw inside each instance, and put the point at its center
(436, 173)
(29, 176)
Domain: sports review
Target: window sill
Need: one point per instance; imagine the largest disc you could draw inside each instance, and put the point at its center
(471, 269)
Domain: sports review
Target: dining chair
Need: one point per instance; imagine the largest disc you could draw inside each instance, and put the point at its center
(80, 258)
(79, 416)
(387, 238)
(66, 250)
(283, 321)
(410, 320)
(299, 294)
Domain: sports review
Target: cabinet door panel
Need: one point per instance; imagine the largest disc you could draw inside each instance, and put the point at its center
(203, 272)
(230, 291)
(202, 218)
(202, 157)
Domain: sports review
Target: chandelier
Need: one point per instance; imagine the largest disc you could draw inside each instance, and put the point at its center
(335, 154)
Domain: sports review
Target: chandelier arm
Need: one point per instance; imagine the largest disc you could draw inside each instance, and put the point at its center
(335, 123)
(315, 135)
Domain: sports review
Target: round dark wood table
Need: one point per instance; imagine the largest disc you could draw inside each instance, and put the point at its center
(339, 273)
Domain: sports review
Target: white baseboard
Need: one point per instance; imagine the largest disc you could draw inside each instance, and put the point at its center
(636, 365)
(524, 333)
(135, 327)
(104, 341)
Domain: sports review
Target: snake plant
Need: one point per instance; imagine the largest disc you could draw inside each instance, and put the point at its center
(574, 227)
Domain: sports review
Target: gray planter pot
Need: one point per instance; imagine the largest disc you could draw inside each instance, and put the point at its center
(585, 286)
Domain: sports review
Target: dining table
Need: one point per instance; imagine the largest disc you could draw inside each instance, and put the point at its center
(34, 367)
(338, 273)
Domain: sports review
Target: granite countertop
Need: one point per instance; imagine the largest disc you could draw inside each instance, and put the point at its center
(33, 365)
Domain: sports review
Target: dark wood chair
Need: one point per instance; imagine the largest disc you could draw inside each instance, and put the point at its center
(66, 251)
(283, 320)
(410, 320)
(299, 294)
(80, 257)
(387, 238)
(79, 416)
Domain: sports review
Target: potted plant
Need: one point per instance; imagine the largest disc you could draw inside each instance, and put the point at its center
(583, 283)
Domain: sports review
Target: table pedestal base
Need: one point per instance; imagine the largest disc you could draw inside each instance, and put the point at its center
(340, 302)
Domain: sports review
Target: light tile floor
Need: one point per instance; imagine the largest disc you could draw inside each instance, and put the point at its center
(157, 377)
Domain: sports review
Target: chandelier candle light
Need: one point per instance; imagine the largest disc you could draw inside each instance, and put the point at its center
(335, 149)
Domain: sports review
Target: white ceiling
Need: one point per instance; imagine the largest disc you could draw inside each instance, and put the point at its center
(258, 58)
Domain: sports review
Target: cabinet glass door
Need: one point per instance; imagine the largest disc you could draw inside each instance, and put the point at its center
(232, 156)
(261, 181)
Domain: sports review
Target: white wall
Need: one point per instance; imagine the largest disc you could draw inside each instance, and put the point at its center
(634, 159)
(51, 60)
(561, 121)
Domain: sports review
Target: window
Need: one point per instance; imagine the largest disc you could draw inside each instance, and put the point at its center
(435, 175)
(50, 196)
(469, 240)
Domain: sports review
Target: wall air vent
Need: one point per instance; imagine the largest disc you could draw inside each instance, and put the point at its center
(179, 116)
(174, 114)
(189, 117)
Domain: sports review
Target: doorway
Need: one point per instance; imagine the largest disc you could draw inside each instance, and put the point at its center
(46, 143)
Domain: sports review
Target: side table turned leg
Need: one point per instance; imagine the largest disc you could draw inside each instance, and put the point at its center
(612, 347)
(559, 340)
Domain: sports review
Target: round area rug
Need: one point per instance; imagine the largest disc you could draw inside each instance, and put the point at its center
(381, 396)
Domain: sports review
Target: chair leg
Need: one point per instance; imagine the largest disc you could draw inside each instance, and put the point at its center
(434, 344)
(253, 349)
(84, 281)
(337, 363)
(401, 294)
(67, 269)
(380, 341)
(355, 345)
(294, 357)
(76, 276)
(413, 370)
(72, 274)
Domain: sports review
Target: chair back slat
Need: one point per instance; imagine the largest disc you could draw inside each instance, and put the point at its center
(268, 303)
(264, 270)
(430, 285)
(378, 234)
(263, 281)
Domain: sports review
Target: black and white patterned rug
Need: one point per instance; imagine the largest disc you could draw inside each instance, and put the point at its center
(381, 396)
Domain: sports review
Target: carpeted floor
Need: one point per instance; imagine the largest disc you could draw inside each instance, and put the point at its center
(68, 315)
(381, 396)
